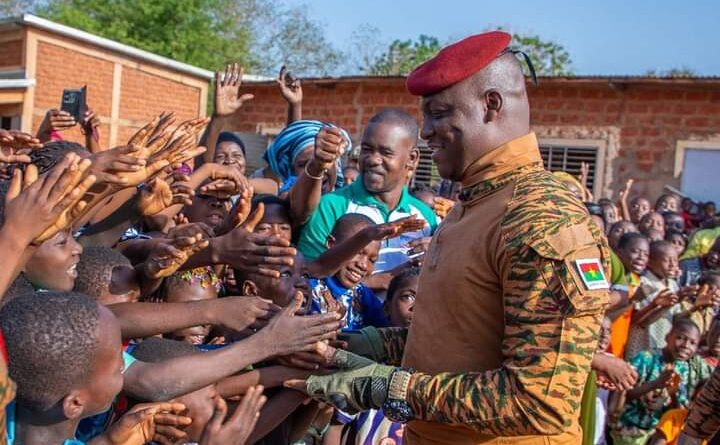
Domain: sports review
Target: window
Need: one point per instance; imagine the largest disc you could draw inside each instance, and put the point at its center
(696, 165)
(426, 172)
(567, 155)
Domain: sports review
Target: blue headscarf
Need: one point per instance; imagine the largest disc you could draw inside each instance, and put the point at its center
(290, 142)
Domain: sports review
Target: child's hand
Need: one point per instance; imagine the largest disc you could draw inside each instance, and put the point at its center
(158, 195)
(381, 232)
(687, 292)
(90, 122)
(238, 428)
(443, 206)
(240, 313)
(707, 296)
(225, 181)
(166, 258)
(16, 145)
(38, 208)
(665, 378)
(332, 304)
(666, 299)
(238, 214)
(148, 422)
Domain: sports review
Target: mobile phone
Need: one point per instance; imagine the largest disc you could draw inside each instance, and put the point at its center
(74, 102)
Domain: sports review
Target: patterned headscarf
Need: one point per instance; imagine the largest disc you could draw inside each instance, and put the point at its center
(290, 143)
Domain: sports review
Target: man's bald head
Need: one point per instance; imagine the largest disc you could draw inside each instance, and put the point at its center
(469, 119)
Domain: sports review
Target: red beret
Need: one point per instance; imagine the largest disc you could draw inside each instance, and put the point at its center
(457, 62)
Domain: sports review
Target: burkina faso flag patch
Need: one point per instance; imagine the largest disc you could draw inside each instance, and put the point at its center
(592, 274)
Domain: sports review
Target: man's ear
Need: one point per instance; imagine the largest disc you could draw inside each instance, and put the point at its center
(330, 241)
(413, 158)
(249, 288)
(493, 104)
(73, 404)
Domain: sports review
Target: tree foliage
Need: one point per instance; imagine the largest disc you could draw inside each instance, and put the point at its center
(404, 55)
(549, 58)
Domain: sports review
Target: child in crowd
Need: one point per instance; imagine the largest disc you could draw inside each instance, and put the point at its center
(106, 275)
(667, 377)
(362, 307)
(652, 221)
(372, 426)
(633, 250)
(671, 423)
(658, 301)
(619, 229)
(677, 239)
(197, 284)
(667, 203)
(639, 207)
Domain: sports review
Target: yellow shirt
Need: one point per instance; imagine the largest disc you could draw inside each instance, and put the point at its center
(671, 424)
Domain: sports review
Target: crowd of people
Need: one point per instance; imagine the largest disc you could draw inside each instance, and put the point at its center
(159, 292)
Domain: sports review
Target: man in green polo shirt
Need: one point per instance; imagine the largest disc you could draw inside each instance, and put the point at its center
(388, 152)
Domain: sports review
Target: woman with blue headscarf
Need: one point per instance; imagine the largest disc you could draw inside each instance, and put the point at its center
(306, 169)
(293, 148)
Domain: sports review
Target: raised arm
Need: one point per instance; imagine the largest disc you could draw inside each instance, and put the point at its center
(228, 101)
(292, 92)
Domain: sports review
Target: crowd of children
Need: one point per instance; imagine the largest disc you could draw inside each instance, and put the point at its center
(158, 292)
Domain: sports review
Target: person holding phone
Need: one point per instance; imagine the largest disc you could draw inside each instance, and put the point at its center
(59, 120)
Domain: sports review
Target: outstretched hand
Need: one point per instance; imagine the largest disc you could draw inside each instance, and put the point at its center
(16, 145)
(237, 429)
(148, 422)
(166, 258)
(40, 207)
(227, 91)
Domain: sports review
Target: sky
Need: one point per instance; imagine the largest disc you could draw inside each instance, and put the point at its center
(603, 37)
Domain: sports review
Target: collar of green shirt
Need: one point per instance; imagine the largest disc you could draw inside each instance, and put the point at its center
(360, 195)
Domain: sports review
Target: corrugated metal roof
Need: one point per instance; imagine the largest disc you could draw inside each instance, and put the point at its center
(552, 79)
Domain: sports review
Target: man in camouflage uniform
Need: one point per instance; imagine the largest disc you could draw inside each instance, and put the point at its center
(513, 288)
(703, 420)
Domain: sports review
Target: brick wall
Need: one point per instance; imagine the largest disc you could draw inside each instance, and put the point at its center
(11, 53)
(649, 118)
(142, 95)
(58, 68)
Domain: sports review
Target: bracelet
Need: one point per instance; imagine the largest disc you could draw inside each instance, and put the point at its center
(317, 178)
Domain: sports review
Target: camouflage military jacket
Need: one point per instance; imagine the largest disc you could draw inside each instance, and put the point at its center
(508, 308)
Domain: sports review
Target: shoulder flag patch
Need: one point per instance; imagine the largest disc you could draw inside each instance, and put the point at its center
(592, 274)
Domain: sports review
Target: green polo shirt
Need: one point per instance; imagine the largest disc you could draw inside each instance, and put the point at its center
(356, 199)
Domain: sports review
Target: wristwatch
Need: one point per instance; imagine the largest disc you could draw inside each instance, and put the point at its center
(396, 407)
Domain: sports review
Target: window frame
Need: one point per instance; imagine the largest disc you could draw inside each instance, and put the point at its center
(600, 146)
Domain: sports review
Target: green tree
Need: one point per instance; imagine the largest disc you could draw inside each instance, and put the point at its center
(548, 58)
(404, 55)
(199, 32)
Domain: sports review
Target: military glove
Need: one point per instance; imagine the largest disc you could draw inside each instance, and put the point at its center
(354, 390)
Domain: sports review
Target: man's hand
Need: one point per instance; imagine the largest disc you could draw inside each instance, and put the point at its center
(287, 333)
(351, 391)
(239, 313)
(37, 208)
(227, 91)
(16, 145)
(290, 87)
(613, 373)
(145, 423)
(241, 424)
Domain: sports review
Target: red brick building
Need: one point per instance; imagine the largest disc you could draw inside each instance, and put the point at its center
(126, 86)
(661, 131)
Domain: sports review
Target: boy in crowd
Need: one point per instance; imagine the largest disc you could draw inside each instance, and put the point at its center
(667, 376)
(362, 307)
(658, 301)
(106, 275)
(639, 207)
(652, 221)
